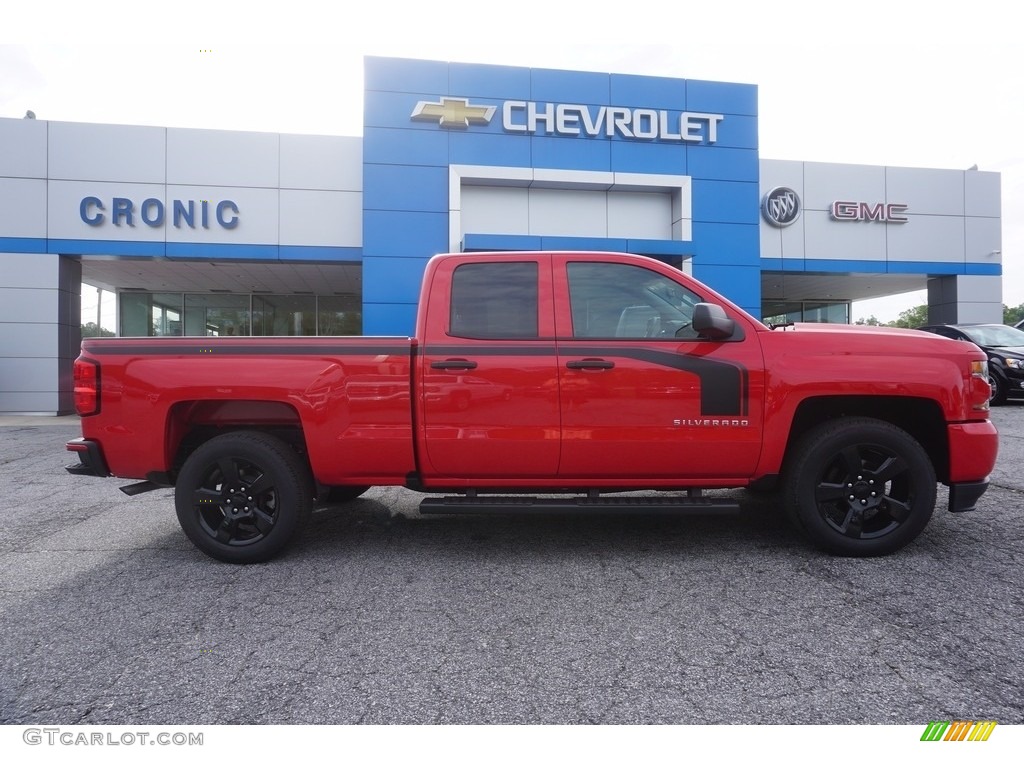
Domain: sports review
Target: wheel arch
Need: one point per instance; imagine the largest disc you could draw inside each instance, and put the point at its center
(921, 418)
(192, 423)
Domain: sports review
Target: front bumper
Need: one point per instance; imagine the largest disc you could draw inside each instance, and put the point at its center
(963, 496)
(90, 458)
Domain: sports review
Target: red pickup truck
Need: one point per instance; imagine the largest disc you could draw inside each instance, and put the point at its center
(539, 382)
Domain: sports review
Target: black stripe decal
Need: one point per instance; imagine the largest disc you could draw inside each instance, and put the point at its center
(724, 385)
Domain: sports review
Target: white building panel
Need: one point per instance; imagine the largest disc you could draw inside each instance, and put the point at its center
(856, 240)
(927, 238)
(641, 215)
(321, 162)
(824, 183)
(978, 289)
(22, 207)
(89, 152)
(64, 201)
(29, 136)
(982, 194)
(222, 158)
(927, 190)
(321, 218)
(29, 270)
(569, 213)
(258, 214)
(983, 241)
(783, 242)
(496, 210)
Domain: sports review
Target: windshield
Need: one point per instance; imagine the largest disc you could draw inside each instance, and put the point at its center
(995, 335)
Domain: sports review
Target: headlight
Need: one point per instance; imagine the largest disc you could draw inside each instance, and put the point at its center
(1013, 362)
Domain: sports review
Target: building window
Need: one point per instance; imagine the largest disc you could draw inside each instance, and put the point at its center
(151, 314)
(339, 315)
(778, 312)
(216, 314)
(284, 315)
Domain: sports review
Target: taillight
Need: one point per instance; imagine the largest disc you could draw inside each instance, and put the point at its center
(87, 387)
(981, 390)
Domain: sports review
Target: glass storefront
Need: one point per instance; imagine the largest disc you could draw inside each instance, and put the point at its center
(230, 314)
(778, 312)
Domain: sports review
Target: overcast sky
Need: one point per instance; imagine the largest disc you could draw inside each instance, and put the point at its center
(919, 84)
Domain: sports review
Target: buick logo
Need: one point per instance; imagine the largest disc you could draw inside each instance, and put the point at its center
(781, 207)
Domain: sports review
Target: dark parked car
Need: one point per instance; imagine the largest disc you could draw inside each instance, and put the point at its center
(1019, 323)
(1005, 348)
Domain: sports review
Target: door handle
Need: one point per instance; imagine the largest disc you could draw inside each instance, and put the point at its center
(453, 365)
(589, 364)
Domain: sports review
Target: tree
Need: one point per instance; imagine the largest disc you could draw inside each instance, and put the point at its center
(89, 330)
(870, 321)
(914, 317)
(1012, 314)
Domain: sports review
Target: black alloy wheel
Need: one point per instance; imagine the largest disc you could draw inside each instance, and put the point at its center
(860, 487)
(240, 497)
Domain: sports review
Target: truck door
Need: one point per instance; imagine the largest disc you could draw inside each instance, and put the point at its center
(642, 396)
(488, 389)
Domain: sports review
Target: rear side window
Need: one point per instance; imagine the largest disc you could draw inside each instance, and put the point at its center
(495, 300)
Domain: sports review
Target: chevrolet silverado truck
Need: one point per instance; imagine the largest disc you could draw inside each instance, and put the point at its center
(543, 382)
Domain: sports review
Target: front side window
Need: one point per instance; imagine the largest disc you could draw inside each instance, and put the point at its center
(495, 300)
(623, 301)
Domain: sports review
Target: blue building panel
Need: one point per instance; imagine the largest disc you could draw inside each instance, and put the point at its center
(984, 269)
(405, 75)
(726, 202)
(397, 146)
(222, 251)
(489, 149)
(387, 109)
(390, 280)
(740, 284)
(728, 98)
(487, 242)
(722, 163)
(111, 247)
(484, 80)
(650, 92)
(554, 243)
(404, 234)
(23, 245)
(577, 154)
(564, 87)
(332, 254)
(406, 188)
(659, 247)
(737, 132)
(734, 244)
(785, 265)
(389, 319)
(648, 157)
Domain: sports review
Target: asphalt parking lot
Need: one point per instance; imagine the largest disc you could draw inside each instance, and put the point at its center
(376, 615)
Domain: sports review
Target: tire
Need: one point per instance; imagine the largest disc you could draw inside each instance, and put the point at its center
(342, 494)
(999, 389)
(242, 496)
(859, 487)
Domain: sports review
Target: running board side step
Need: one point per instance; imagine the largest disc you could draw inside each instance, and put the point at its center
(674, 505)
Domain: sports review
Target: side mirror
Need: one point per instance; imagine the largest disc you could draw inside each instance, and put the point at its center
(711, 322)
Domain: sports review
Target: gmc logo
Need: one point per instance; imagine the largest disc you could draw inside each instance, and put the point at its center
(849, 210)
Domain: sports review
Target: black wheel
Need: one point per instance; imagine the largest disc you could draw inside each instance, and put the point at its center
(240, 497)
(998, 396)
(341, 494)
(860, 487)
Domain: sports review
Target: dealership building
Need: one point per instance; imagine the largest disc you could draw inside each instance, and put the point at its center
(208, 232)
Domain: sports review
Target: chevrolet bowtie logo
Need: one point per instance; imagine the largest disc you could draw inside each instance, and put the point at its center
(453, 113)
